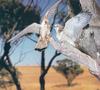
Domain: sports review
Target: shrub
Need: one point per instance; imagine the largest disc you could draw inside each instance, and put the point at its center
(70, 70)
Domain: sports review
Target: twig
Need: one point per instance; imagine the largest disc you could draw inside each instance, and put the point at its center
(32, 39)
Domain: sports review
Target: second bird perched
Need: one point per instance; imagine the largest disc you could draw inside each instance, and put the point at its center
(73, 28)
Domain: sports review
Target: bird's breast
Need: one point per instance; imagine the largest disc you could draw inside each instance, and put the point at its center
(45, 31)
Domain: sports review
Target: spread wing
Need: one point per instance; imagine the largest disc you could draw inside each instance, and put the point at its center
(33, 28)
(53, 9)
(73, 27)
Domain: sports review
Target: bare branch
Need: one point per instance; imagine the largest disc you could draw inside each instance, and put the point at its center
(43, 61)
(57, 53)
(75, 55)
(32, 39)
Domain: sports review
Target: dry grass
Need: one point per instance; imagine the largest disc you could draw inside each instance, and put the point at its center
(55, 81)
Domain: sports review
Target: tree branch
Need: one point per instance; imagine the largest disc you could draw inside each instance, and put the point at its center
(75, 55)
(42, 61)
(32, 39)
(50, 63)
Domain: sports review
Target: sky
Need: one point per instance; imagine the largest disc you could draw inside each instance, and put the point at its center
(25, 54)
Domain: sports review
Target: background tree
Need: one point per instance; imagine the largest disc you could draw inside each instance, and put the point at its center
(14, 16)
(70, 70)
(6, 79)
(45, 69)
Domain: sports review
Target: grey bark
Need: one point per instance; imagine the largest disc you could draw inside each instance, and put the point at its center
(90, 42)
(76, 55)
(91, 6)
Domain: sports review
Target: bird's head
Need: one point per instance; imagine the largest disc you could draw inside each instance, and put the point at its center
(45, 21)
(58, 28)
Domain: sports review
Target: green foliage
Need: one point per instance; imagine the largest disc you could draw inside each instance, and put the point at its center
(12, 11)
(6, 79)
(68, 69)
(75, 5)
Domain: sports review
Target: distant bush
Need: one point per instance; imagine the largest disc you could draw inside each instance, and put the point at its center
(70, 70)
(6, 79)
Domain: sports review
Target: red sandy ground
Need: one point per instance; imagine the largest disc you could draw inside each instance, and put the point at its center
(55, 81)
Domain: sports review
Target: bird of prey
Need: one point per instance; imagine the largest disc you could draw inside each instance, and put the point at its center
(73, 28)
(43, 28)
(59, 28)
